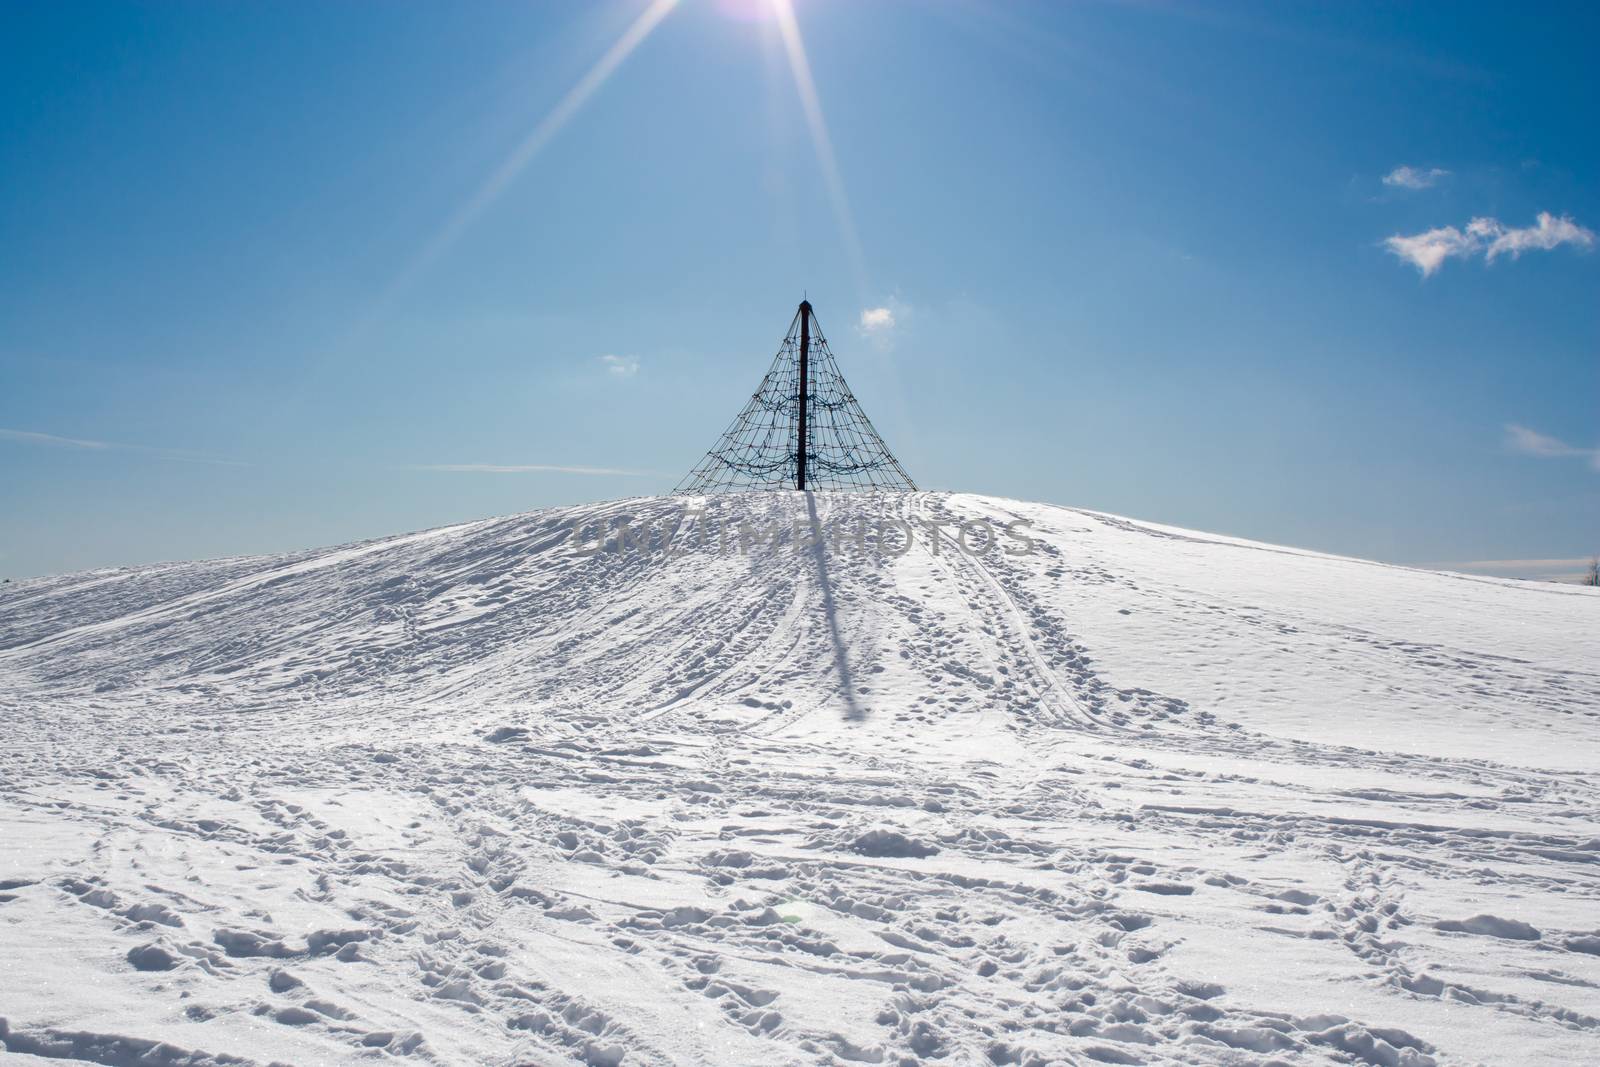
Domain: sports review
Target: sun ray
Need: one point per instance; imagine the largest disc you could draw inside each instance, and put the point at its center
(531, 145)
(811, 103)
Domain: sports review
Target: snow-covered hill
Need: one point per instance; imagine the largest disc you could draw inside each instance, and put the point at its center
(1125, 794)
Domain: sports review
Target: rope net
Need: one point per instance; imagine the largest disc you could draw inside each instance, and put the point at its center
(760, 450)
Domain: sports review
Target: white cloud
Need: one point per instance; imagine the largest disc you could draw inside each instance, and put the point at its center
(1547, 233)
(1427, 251)
(1414, 177)
(877, 320)
(883, 324)
(1533, 443)
(520, 468)
(620, 366)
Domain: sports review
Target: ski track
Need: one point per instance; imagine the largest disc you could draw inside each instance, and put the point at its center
(469, 796)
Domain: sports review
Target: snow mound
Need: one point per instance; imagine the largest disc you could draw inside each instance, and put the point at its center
(671, 780)
(883, 842)
(1490, 926)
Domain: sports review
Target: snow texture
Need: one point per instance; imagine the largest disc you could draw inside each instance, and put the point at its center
(471, 795)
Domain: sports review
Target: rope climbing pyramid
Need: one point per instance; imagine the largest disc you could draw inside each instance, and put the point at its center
(802, 429)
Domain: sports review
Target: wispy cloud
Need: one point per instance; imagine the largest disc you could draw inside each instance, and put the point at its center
(1533, 443)
(1427, 251)
(32, 438)
(50, 440)
(620, 366)
(1414, 177)
(1547, 233)
(522, 468)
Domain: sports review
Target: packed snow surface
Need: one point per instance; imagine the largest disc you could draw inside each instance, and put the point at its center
(481, 795)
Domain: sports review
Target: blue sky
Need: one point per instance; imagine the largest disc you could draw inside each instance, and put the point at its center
(281, 275)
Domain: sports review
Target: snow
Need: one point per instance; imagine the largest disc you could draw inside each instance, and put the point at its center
(471, 795)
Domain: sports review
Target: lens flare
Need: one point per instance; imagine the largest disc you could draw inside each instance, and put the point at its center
(747, 10)
(800, 66)
(530, 146)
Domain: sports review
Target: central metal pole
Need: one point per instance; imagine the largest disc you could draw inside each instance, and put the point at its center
(805, 394)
